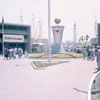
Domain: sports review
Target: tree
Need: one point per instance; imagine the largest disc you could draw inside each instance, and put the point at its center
(84, 40)
(87, 38)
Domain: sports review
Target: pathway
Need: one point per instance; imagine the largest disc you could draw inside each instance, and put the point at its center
(68, 81)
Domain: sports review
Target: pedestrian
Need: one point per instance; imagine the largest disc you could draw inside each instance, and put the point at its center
(19, 53)
(96, 51)
(92, 53)
(84, 53)
(88, 53)
(6, 53)
(26, 54)
(14, 53)
(98, 60)
(10, 53)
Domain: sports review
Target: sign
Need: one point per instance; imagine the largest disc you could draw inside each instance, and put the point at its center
(13, 38)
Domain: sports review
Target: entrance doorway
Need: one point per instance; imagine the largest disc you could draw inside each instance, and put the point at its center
(15, 45)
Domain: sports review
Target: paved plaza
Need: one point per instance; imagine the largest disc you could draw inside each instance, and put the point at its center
(67, 81)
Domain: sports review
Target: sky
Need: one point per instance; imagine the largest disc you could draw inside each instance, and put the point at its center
(82, 12)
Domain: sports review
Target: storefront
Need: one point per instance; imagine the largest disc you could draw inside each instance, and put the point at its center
(15, 36)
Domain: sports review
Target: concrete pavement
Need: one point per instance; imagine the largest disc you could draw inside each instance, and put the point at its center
(68, 81)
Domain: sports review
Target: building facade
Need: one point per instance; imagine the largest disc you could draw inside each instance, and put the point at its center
(94, 41)
(39, 46)
(98, 34)
(15, 36)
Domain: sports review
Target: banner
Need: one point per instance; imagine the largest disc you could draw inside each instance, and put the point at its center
(13, 38)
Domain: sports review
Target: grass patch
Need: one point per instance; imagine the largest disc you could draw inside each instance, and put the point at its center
(46, 63)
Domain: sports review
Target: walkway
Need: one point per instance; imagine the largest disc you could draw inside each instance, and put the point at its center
(68, 81)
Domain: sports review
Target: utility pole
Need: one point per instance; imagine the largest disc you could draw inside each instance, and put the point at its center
(2, 35)
(49, 32)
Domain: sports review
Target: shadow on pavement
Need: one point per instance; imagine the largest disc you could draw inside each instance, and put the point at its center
(80, 90)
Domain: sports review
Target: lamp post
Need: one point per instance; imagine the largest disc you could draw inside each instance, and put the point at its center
(49, 32)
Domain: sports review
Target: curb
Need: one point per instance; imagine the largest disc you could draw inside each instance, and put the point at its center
(90, 85)
(33, 65)
(36, 68)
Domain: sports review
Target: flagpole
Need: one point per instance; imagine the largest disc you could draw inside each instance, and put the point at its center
(49, 32)
(3, 36)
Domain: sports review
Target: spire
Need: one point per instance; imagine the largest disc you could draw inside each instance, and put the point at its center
(74, 34)
(33, 20)
(21, 17)
(40, 29)
(33, 29)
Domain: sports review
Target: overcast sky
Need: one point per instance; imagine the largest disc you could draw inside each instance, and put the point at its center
(82, 12)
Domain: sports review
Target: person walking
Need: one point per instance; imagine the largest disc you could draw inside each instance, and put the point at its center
(14, 53)
(84, 53)
(92, 53)
(98, 60)
(19, 52)
(88, 53)
(6, 53)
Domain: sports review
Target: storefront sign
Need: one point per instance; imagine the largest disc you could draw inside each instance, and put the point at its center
(13, 38)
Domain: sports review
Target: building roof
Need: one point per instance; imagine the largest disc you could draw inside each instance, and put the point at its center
(16, 24)
(93, 41)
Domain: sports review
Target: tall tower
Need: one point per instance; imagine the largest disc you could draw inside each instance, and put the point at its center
(74, 34)
(40, 30)
(57, 34)
(21, 17)
(33, 28)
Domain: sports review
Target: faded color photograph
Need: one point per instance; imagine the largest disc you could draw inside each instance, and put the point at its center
(49, 50)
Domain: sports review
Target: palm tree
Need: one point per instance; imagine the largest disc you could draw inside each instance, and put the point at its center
(87, 38)
(83, 39)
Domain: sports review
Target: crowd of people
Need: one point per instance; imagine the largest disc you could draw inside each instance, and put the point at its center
(89, 53)
(92, 53)
(12, 53)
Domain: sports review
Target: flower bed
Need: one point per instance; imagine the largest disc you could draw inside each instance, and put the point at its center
(78, 55)
(36, 55)
(46, 64)
(65, 55)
